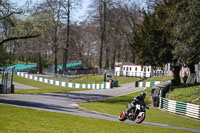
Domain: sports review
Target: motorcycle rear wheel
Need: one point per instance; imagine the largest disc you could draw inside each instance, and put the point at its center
(140, 119)
(122, 116)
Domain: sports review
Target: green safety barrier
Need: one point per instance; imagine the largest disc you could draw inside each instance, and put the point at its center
(20, 67)
(71, 65)
(181, 108)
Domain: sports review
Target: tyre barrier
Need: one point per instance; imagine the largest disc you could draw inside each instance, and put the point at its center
(147, 84)
(181, 108)
(105, 85)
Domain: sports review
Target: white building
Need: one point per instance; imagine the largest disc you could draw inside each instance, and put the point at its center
(130, 70)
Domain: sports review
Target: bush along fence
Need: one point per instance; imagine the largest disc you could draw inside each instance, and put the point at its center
(105, 85)
(187, 109)
(147, 84)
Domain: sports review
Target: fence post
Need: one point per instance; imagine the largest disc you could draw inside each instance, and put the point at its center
(160, 104)
(11, 82)
(6, 83)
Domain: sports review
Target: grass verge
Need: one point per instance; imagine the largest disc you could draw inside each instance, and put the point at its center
(158, 79)
(114, 106)
(22, 120)
(184, 93)
(90, 79)
(82, 79)
(43, 87)
(125, 80)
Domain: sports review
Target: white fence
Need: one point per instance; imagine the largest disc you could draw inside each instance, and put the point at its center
(187, 109)
(105, 85)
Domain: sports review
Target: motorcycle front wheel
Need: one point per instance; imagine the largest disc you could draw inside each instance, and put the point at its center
(122, 116)
(140, 118)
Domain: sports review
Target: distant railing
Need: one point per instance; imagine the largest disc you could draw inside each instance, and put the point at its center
(142, 74)
(160, 73)
(133, 74)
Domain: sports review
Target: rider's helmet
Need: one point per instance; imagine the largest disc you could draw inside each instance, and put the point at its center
(143, 95)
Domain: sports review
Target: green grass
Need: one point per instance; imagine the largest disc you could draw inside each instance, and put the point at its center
(125, 80)
(23, 120)
(185, 93)
(43, 87)
(47, 88)
(90, 79)
(83, 79)
(114, 106)
(158, 79)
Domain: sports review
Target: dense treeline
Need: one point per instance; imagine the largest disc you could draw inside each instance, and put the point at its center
(169, 33)
(99, 41)
(153, 32)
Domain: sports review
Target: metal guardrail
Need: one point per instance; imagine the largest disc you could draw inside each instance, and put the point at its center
(181, 108)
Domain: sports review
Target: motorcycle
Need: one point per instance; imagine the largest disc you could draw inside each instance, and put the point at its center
(136, 113)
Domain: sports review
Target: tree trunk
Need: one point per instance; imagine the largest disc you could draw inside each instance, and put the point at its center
(125, 53)
(102, 13)
(192, 67)
(114, 58)
(107, 57)
(64, 61)
(118, 54)
(177, 79)
(101, 36)
(100, 55)
(40, 63)
(55, 62)
(65, 55)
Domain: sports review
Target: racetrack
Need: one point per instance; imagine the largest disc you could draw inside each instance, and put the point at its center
(67, 102)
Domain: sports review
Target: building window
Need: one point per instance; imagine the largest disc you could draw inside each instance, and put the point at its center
(148, 69)
(130, 68)
(136, 69)
(141, 68)
(126, 68)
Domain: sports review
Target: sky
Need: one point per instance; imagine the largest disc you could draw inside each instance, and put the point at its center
(79, 15)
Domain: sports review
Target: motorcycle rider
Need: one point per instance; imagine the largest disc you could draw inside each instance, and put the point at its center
(137, 100)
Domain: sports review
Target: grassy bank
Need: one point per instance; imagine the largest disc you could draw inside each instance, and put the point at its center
(158, 79)
(22, 120)
(43, 87)
(82, 79)
(184, 93)
(125, 80)
(115, 105)
(91, 79)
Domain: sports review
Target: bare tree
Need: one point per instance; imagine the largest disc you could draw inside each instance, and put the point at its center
(70, 5)
(56, 14)
(7, 16)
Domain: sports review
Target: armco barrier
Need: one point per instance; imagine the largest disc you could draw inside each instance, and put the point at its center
(147, 84)
(187, 109)
(105, 85)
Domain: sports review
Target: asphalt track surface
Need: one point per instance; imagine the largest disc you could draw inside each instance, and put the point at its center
(21, 86)
(67, 103)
